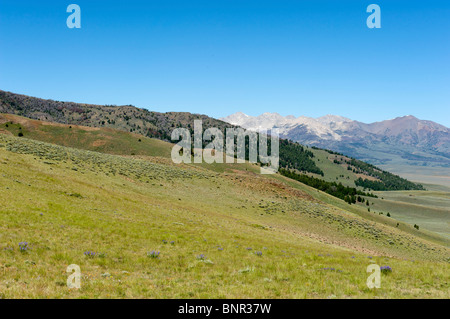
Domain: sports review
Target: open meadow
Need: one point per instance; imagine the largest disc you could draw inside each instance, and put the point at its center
(142, 227)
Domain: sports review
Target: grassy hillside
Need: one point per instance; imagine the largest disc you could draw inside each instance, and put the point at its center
(352, 172)
(103, 140)
(261, 236)
(113, 141)
(429, 210)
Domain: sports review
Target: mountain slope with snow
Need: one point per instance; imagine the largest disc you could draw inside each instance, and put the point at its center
(404, 140)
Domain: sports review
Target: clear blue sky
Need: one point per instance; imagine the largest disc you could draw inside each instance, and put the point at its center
(218, 57)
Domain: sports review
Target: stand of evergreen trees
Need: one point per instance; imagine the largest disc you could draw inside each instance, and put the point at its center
(295, 156)
(386, 181)
(349, 194)
(388, 185)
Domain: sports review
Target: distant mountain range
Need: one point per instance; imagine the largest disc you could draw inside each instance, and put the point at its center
(403, 140)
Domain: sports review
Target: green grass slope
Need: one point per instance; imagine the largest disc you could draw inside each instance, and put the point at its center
(427, 209)
(352, 172)
(430, 210)
(64, 202)
(105, 140)
(112, 141)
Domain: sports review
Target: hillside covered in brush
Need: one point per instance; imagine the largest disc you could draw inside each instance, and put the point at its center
(143, 227)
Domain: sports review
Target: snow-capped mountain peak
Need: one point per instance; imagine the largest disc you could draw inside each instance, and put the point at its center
(329, 118)
(406, 135)
(267, 121)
